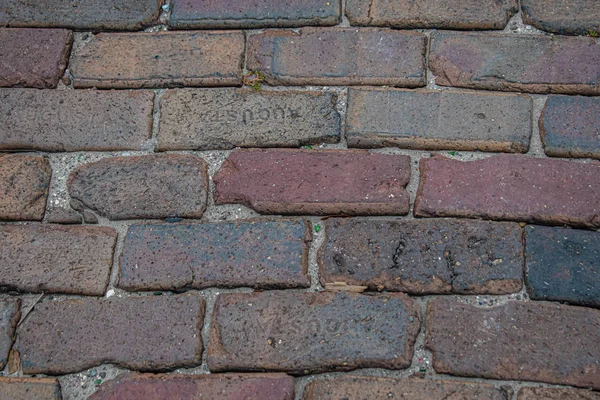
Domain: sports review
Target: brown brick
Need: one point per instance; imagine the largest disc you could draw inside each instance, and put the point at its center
(510, 187)
(570, 126)
(145, 333)
(539, 393)
(427, 256)
(435, 120)
(163, 59)
(56, 259)
(30, 389)
(447, 14)
(24, 183)
(315, 182)
(311, 332)
(339, 56)
(253, 14)
(154, 186)
(226, 118)
(213, 386)
(259, 254)
(71, 120)
(33, 57)
(523, 63)
(532, 341)
(9, 317)
(573, 17)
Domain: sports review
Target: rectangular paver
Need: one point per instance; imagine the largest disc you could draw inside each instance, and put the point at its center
(30, 389)
(573, 17)
(10, 313)
(541, 393)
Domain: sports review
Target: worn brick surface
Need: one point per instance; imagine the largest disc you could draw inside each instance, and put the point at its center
(430, 256)
(315, 182)
(30, 389)
(563, 265)
(438, 120)
(196, 387)
(532, 341)
(164, 59)
(570, 126)
(254, 13)
(141, 333)
(339, 56)
(311, 332)
(511, 187)
(527, 63)
(539, 393)
(154, 186)
(9, 317)
(226, 118)
(260, 254)
(33, 57)
(448, 14)
(24, 182)
(576, 17)
(54, 258)
(71, 120)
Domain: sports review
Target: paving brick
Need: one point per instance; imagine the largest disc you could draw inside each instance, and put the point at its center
(563, 265)
(315, 182)
(363, 387)
(154, 186)
(24, 181)
(435, 120)
(33, 57)
(9, 317)
(573, 17)
(213, 386)
(163, 59)
(522, 63)
(259, 254)
(203, 14)
(510, 187)
(339, 56)
(311, 332)
(60, 215)
(570, 126)
(30, 389)
(446, 14)
(227, 118)
(56, 259)
(148, 333)
(72, 120)
(538, 393)
(426, 256)
(532, 341)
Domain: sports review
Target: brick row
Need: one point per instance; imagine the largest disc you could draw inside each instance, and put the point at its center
(30, 388)
(10, 313)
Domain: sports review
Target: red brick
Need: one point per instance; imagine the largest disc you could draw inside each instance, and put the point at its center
(573, 17)
(533, 341)
(509, 187)
(339, 56)
(148, 333)
(163, 59)
(315, 182)
(539, 393)
(33, 57)
(9, 317)
(30, 389)
(524, 63)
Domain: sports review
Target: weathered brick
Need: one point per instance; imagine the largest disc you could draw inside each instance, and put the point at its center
(435, 120)
(311, 332)
(447, 14)
(563, 265)
(227, 118)
(531, 341)
(315, 182)
(56, 259)
(427, 256)
(570, 126)
(145, 333)
(61, 215)
(203, 14)
(33, 57)
(213, 386)
(523, 63)
(154, 186)
(573, 17)
(10, 314)
(540, 393)
(259, 254)
(365, 387)
(71, 120)
(24, 183)
(163, 59)
(30, 389)
(510, 187)
(339, 56)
